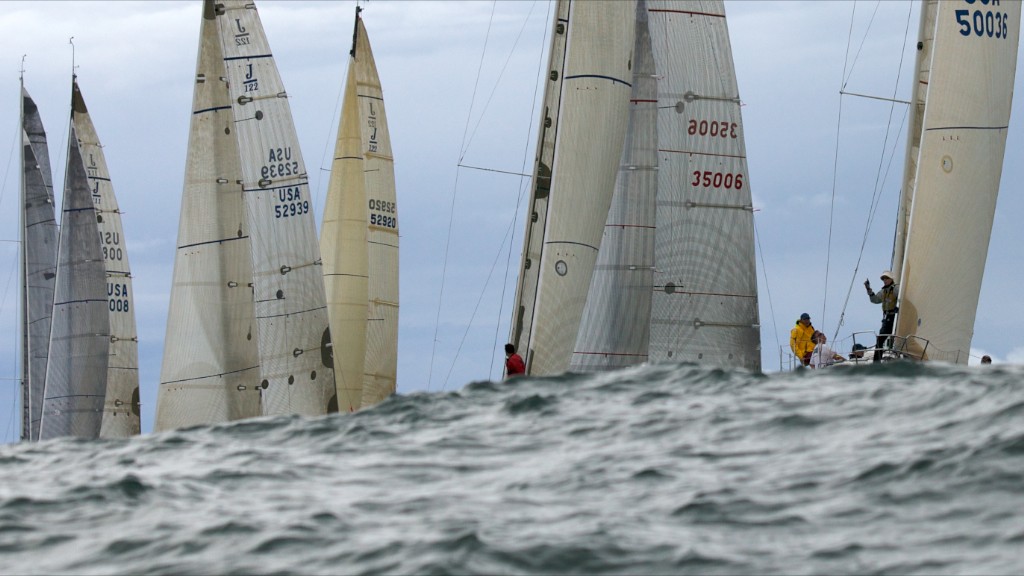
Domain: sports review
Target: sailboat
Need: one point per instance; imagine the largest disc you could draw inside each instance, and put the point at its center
(39, 235)
(960, 110)
(589, 78)
(359, 239)
(92, 379)
(247, 331)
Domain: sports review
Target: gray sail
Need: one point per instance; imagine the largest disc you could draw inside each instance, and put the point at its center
(121, 405)
(705, 286)
(615, 328)
(76, 372)
(39, 235)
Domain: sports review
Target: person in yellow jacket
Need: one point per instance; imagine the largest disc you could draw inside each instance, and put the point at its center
(800, 339)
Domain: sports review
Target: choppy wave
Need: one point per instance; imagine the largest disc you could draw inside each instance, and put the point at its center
(681, 469)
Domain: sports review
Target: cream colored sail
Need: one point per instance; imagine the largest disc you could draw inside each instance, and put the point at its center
(343, 245)
(596, 85)
(247, 327)
(704, 307)
(76, 373)
(381, 365)
(121, 406)
(211, 370)
(970, 90)
(39, 235)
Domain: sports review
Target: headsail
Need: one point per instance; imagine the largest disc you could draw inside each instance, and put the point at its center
(596, 83)
(963, 139)
(39, 234)
(247, 333)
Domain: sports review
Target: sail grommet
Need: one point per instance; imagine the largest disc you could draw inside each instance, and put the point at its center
(554, 75)
(222, 180)
(99, 218)
(285, 269)
(947, 164)
(670, 288)
(528, 264)
(243, 100)
(265, 384)
(259, 114)
(690, 96)
(297, 352)
(312, 375)
(227, 130)
(561, 268)
(291, 380)
(560, 28)
(280, 294)
(240, 387)
(232, 284)
(264, 182)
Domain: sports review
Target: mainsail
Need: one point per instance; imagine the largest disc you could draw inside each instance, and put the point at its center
(573, 181)
(970, 76)
(676, 276)
(247, 326)
(39, 234)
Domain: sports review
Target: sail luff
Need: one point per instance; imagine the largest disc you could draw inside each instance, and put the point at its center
(615, 328)
(915, 128)
(79, 349)
(958, 172)
(536, 220)
(38, 253)
(291, 310)
(343, 246)
(211, 368)
(704, 306)
(381, 365)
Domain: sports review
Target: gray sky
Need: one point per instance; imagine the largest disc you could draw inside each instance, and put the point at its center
(136, 61)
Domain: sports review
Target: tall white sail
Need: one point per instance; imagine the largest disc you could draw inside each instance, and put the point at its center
(973, 65)
(343, 245)
(39, 234)
(381, 367)
(76, 374)
(705, 287)
(595, 85)
(615, 328)
(121, 406)
(247, 328)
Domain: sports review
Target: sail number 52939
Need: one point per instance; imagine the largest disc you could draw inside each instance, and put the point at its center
(982, 23)
(709, 179)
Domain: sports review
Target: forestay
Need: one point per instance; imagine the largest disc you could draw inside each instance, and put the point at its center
(963, 140)
(39, 235)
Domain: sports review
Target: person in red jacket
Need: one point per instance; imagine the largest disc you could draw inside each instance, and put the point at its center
(514, 365)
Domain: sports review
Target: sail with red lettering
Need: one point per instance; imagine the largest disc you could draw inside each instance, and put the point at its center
(247, 327)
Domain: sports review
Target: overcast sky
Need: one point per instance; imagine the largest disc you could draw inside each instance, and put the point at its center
(447, 98)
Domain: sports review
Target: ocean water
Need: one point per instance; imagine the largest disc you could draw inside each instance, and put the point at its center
(669, 469)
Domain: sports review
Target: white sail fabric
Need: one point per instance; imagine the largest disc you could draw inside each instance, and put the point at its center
(39, 235)
(615, 328)
(705, 287)
(533, 239)
(974, 60)
(211, 370)
(915, 129)
(291, 310)
(76, 374)
(381, 367)
(121, 406)
(596, 85)
(343, 245)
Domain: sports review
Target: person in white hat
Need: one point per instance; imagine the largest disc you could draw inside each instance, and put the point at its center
(887, 297)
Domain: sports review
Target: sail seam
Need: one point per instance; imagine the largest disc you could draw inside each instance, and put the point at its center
(214, 109)
(220, 241)
(239, 371)
(254, 57)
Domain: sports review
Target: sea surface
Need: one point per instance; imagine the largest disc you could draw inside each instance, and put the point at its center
(668, 469)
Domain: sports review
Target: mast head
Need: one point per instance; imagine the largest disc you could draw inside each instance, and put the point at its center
(355, 32)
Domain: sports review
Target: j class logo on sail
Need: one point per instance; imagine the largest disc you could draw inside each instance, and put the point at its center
(279, 164)
(382, 220)
(117, 296)
(251, 83)
(241, 37)
(111, 244)
(371, 123)
(290, 203)
(981, 22)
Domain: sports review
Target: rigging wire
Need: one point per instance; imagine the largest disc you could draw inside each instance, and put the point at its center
(455, 190)
(880, 175)
(767, 288)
